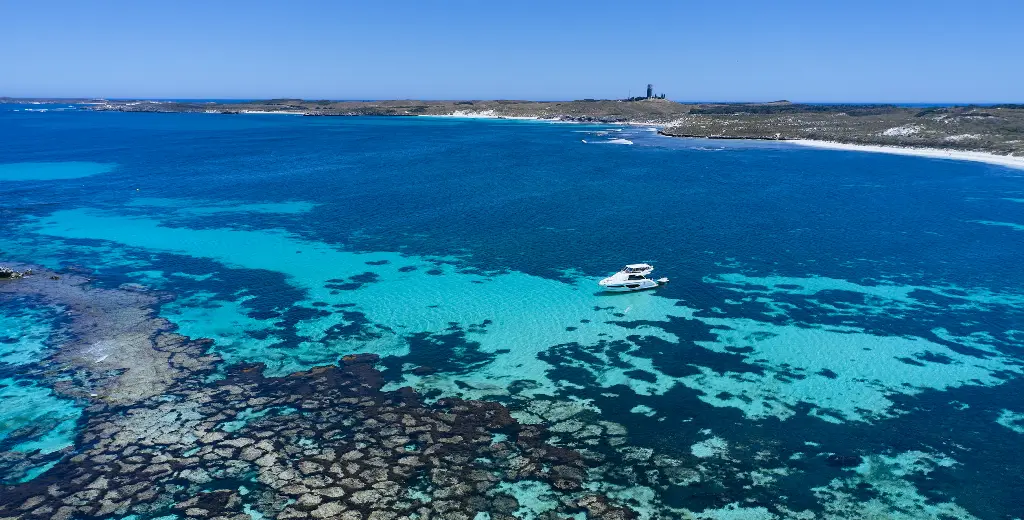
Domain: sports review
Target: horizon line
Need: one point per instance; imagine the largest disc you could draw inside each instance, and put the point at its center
(371, 100)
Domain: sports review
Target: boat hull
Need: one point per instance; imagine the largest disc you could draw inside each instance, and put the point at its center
(629, 286)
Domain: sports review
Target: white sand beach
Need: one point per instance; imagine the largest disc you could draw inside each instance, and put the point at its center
(960, 155)
(485, 114)
(282, 112)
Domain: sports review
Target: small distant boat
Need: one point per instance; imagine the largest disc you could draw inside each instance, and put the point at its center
(633, 277)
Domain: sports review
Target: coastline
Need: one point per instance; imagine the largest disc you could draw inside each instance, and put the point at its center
(934, 153)
(988, 135)
(479, 115)
(1008, 161)
(281, 112)
(540, 119)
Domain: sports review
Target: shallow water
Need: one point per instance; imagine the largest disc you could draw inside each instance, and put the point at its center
(824, 305)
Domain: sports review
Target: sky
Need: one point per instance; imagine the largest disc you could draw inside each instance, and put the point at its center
(810, 51)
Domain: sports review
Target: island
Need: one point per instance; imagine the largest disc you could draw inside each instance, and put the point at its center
(990, 129)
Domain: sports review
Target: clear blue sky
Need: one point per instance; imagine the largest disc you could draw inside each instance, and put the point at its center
(857, 50)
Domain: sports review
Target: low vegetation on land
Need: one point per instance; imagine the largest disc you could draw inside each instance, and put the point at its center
(997, 129)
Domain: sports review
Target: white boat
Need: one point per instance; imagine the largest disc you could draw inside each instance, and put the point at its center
(633, 277)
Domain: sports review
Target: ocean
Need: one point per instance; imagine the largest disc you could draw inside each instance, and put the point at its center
(841, 336)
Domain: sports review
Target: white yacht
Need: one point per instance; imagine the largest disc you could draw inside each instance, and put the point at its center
(633, 277)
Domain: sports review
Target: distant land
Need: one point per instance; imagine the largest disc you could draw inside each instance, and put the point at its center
(993, 129)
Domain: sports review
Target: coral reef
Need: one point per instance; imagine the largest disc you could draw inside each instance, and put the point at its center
(180, 437)
(326, 443)
(123, 350)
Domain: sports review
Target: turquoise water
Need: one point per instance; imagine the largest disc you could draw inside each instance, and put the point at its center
(33, 418)
(45, 171)
(31, 405)
(821, 302)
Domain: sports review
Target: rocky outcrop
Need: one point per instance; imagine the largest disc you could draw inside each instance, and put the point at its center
(121, 350)
(192, 438)
(324, 443)
(7, 273)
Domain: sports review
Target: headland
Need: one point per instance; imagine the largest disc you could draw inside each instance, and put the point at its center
(992, 130)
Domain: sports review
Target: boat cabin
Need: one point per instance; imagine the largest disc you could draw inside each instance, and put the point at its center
(637, 269)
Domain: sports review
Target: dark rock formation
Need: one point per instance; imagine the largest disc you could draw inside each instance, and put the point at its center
(195, 439)
(8, 273)
(123, 350)
(329, 444)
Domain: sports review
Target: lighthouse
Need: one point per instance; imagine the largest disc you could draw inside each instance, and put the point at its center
(650, 90)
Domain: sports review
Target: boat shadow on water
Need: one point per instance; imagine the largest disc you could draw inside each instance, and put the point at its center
(607, 292)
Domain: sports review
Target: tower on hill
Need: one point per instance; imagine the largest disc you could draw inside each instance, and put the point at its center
(650, 91)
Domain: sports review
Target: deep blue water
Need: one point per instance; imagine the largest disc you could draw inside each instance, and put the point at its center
(824, 306)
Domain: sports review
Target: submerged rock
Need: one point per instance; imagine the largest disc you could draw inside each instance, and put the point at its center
(352, 451)
(123, 350)
(423, 371)
(161, 436)
(7, 272)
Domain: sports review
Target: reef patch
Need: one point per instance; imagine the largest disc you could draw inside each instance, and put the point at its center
(166, 430)
(349, 451)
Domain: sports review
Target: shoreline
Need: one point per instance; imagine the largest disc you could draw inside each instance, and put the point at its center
(280, 112)
(657, 115)
(478, 115)
(1008, 161)
(541, 119)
